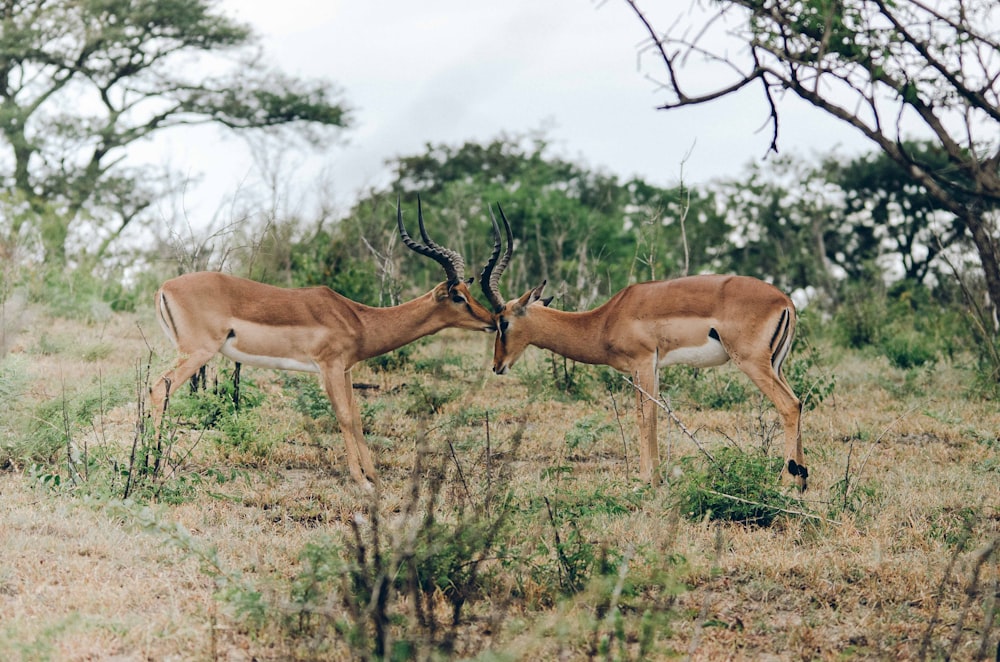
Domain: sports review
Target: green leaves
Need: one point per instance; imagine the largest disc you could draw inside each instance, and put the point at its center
(130, 60)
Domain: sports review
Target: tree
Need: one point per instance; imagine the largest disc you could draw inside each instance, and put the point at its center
(884, 203)
(568, 220)
(876, 65)
(782, 229)
(82, 80)
(585, 231)
(581, 229)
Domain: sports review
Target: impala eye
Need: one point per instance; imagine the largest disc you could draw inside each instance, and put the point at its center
(503, 325)
(458, 298)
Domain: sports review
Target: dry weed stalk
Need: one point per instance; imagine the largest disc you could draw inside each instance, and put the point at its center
(975, 588)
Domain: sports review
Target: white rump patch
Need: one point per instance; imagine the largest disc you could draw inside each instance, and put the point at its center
(273, 362)
(712, 353)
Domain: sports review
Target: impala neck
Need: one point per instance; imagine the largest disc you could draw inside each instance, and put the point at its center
(392, 327)
(575, 335)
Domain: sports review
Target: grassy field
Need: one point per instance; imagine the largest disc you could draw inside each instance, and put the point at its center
(510, 522)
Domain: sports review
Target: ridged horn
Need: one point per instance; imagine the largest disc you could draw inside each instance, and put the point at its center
(454, 265)
(490, 278)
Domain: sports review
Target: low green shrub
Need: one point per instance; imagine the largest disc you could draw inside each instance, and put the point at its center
(394, 360)
(308, 396)
(805, 374)
(207, 407)
(733, 485)
(907, 348)
(587, 431)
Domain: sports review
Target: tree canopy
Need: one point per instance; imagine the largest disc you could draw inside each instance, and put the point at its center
(885, 68)
(81, 80)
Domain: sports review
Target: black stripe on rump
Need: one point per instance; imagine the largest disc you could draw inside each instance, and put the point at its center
(782, 331)
(169, 319)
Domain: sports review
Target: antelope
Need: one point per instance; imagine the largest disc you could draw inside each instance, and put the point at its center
(311, 329)
(701, 321)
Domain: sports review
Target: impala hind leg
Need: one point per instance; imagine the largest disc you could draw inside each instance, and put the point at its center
(169, 381)
(339, 389)
(772, 384)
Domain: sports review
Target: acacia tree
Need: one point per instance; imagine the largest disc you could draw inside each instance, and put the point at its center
(82, 80)
(880, 66)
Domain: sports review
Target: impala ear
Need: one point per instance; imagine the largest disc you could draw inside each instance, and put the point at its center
(520, 306)
(547, 300)
(536, 294)
(443, 291)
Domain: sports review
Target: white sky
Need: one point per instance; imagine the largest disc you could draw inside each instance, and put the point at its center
(453, 71)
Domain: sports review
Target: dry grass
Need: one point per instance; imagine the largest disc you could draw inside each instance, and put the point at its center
(82, 579)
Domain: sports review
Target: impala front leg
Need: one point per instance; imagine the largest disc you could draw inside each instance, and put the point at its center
(337, 382)
(647, 393)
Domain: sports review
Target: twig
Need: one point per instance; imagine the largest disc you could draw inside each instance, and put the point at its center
(560, 553)
(663, 405)
(70, 469)
(616, 594)
(990, 606)
(767, 505)
(871, 449)
(458, 466)
(621, 429)
(925, 641)
(489, 468)
(973, 591)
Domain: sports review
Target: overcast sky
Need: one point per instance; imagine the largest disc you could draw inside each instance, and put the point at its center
(450, 71)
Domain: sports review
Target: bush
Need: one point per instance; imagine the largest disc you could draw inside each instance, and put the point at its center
(734, 486)
(308, 396)
(360, 594)
(857, 322)
(587, 431)
(561, 378)
(208, 408)
(906, 348)
(325, 261)
(394, 360)
(801, 373)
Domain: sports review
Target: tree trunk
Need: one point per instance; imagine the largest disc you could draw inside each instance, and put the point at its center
(989, 256)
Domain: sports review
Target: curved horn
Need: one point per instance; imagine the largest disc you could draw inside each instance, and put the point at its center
(490, 278)
(454, 265)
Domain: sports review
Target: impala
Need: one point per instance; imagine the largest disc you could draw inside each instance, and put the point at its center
(697, 320)
(312, 329)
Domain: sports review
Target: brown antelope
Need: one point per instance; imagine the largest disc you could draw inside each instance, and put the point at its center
(312, 329)
(697, 320)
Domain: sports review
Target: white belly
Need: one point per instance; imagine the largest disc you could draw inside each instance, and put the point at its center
(712, 353)
(273, 362)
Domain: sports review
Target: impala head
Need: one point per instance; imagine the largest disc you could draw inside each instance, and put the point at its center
(455, 300)
(513, 319)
